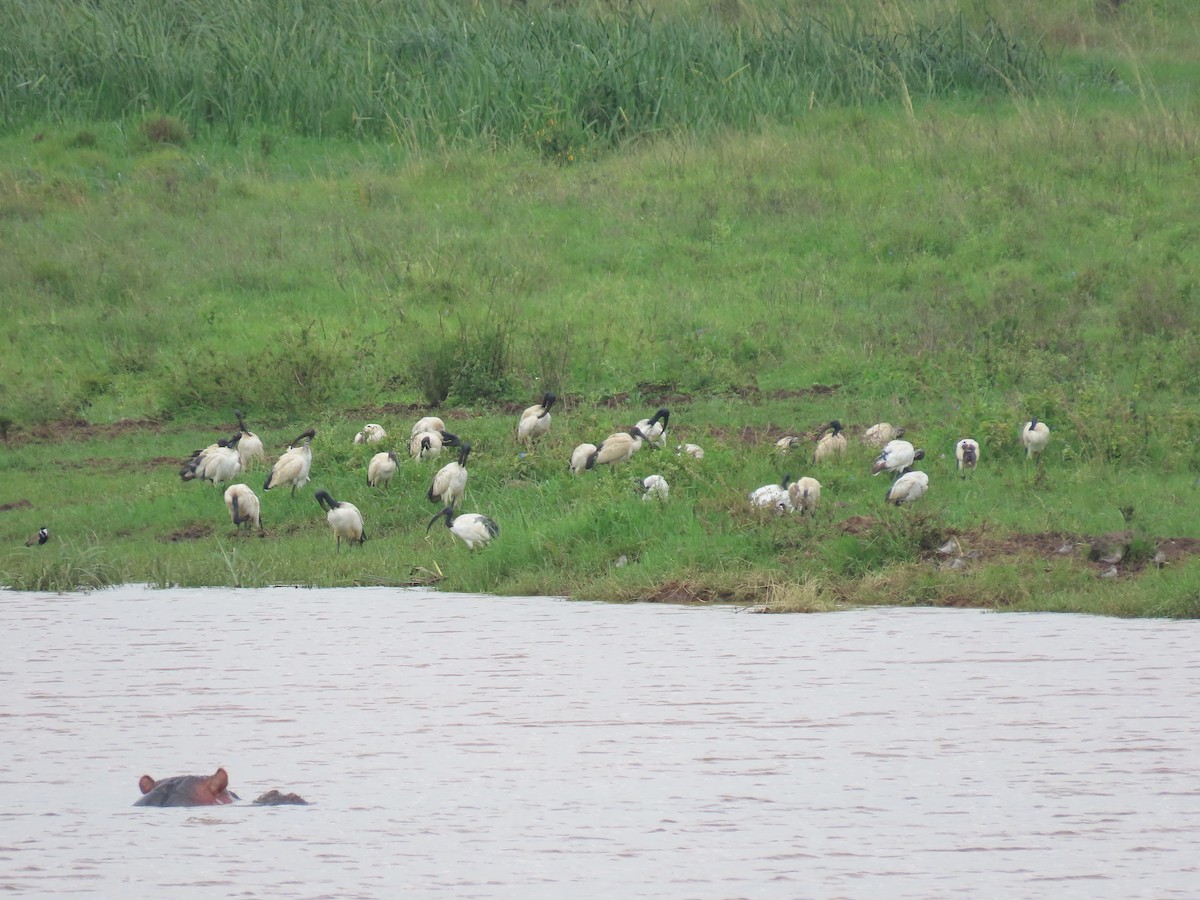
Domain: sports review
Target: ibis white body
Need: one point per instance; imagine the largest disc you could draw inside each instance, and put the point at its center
(879, 435)
(654, 429)
(371, 434)
(450, 482)
(580, 456)
(250, 447)
(343, 517)
(428, 444)
(243, 506)
(655, 487)
(382, 468)
(895, 457)
(787, 442)
(293, 467)
(805, 495)
(429, 423)
(831, 445)
(772, 496)
(695, 451)
(535, 420)
(222, 465)
(616, 448)
(1035, 436)
(473, 529)
(908, 488)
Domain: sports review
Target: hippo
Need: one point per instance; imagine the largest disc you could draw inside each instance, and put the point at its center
(187, 790)
(204, 790)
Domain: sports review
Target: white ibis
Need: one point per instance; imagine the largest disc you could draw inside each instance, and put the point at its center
(535, 420)
(966, 452)
(343, 517)
(381, 468)
(250, 447)
(896, 457)
(471, 528)
(243, 506)
(293, 467)
(1035, 436)
(451, 480)
(830, 445)
(654, 429)
(805, 495)
(616, 448)
(773, 496)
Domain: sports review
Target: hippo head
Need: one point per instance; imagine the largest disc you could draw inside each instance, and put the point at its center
(186, 790)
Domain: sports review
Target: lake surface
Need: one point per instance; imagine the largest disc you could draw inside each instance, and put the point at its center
(461, 746)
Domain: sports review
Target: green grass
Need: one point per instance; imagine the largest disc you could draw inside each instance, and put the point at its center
(885, 212)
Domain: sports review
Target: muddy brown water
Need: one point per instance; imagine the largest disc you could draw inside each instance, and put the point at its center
(464, 746)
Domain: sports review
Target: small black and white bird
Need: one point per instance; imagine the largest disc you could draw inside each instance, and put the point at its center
(39, 537)
(470, 528)
(343, 517)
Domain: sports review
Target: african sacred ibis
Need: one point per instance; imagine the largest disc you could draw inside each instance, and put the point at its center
(429, 423)
(616, 448)
(293, 467)
(381, 468)
(535, 420)
(805, 495)
(470, 528)
(787, 442)
(909, 487)
(39, 537)
(773, 496)
(695, 451)
(654, 487)
(654, 429)
(1035, 436)
(250, 447)
(216, 463)
(343, 517)
(580, 456)
(881, 434)
(832, 444)
(451, 480)
(243, 506)
(896, 457)
(428, 444)
(966, 452)
(371, 434)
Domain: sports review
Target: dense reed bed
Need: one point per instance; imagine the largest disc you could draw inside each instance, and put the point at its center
(433, 74)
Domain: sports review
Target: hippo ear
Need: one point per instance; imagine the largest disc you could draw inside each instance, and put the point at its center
(146, 783)
(218, 782)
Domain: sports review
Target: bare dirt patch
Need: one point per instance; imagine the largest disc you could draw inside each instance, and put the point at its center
(16, 504)
(193, 532)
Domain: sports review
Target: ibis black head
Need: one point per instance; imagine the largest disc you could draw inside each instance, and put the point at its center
(1033, 423)
(325, 501)
(548, 400)
(836, 426)
(447, 513)
(233, 441)
(392, 457)
(463, 452)
(636, 432)
(450, 440)
(426, 443)
(787, 479)
(918, 454)
(663, 415)
(304, 436)
(237, 414)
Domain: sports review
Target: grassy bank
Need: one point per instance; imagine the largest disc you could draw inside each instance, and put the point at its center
(955, 258)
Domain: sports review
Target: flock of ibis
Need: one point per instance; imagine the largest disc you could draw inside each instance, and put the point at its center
(228, 457)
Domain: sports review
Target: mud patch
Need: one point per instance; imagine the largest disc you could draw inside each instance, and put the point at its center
(16, 504)
(193, 532)
(1096, 552)
(82, 430)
